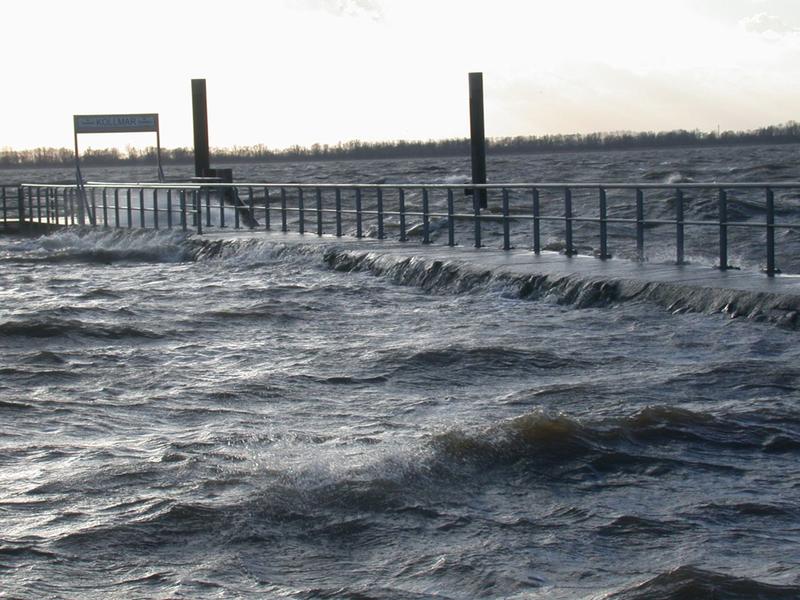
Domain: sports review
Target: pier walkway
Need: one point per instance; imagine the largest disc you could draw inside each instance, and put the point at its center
(433, 236)
(577, 279)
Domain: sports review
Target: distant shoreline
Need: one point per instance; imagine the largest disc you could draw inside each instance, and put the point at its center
(49, 158)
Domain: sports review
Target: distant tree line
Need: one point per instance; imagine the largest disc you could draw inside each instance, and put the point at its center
(355, 149)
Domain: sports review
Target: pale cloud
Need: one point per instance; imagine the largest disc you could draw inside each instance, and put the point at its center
(370, 9)
(767, 24)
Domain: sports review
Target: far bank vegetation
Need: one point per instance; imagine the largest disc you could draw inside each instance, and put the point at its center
(786, 133)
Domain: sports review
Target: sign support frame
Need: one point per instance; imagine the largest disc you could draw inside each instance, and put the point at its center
(111, 123)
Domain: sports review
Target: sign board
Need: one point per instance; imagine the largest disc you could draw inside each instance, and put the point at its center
(145, 122)
(116, 123)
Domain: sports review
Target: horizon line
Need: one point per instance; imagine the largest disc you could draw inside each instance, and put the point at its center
(340, 144)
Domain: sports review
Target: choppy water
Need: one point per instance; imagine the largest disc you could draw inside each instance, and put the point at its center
(255, 424)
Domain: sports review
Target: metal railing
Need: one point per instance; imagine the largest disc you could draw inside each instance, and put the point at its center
(9, 206)
(369, 210)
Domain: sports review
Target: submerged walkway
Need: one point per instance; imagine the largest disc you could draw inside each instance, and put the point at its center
(582, 280)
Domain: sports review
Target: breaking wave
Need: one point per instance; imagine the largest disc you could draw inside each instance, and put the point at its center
(102, 246)
(417, 479)
(617, 442)
(690, 582)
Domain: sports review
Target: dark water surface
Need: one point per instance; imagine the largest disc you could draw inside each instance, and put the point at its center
(258, 425)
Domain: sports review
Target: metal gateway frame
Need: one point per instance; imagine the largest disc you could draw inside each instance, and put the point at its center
(113, 123)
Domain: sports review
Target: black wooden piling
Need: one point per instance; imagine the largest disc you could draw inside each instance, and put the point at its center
(202, 160)
(477, 134)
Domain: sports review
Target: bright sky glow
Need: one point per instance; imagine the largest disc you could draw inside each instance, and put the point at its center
(284, 72)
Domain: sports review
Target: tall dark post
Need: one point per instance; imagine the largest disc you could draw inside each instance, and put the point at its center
(477, 134)
(202, 161)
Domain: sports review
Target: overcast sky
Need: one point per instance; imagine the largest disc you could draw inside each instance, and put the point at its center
(283, 72)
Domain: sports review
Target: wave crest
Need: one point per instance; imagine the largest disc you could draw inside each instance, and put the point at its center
(692, 582)
(84, 245)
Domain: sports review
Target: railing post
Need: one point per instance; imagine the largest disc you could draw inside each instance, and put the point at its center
(236, 203)
(232, 193)
(116, 208)
(568, 250)
(319, 211)
(640, 224)
(771, 270)
(54, 206)
(169, 209)
(284, 225)
(197, 204)
(537, 237)
(359, 232)
(380, 214)
(5, 208)
(338, 212)
(72, 207)
(21, 206)
(301, 226)
(30, 207)
(401, 200)
(30, 215)
(93, 216)
(476, 212)
(251, 203)
(208, 205)
(155, 208)
(723, 229)
(236, 217)
(267, 222)
(83, 205)
(182, 200)
(129, 207)
(506, 225)
(141, 208)
(679, 226)
(451, 230)
(426, 222)
(222, 213)
(47, 206)
(603, 225)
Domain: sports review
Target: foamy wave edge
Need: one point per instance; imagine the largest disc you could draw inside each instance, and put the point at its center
(579, 291)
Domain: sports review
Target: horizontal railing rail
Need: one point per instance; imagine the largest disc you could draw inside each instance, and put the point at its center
(426, 209)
